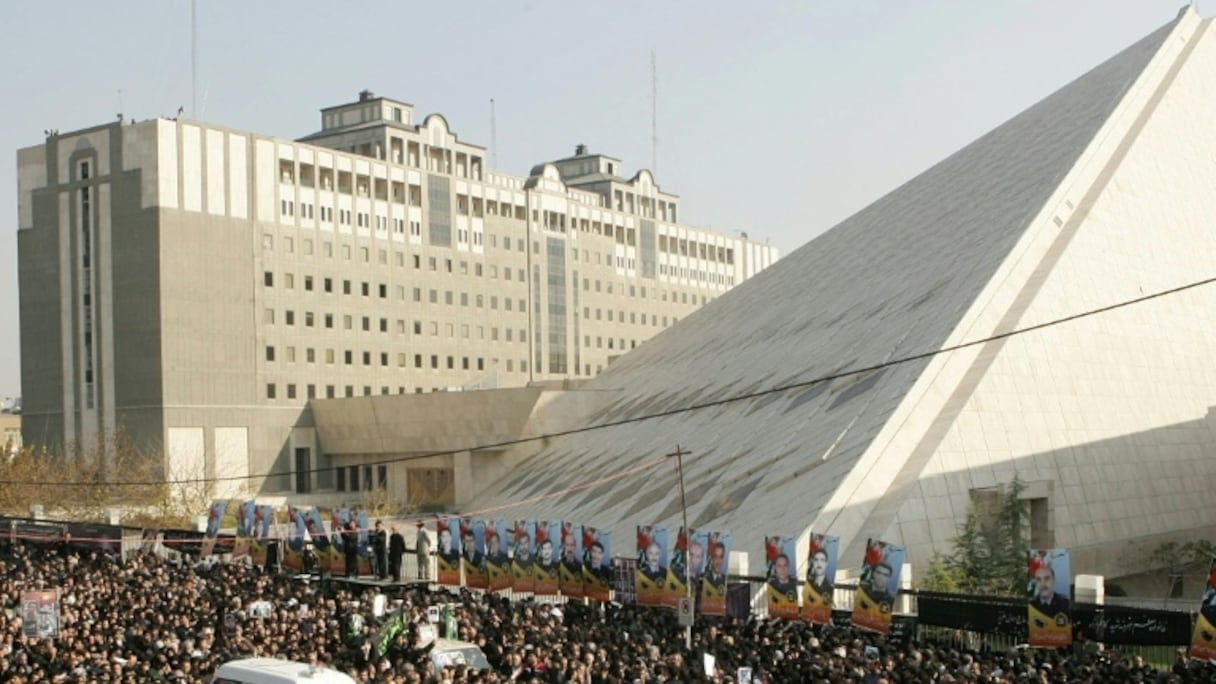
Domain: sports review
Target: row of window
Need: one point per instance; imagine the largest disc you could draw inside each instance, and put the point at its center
(348, 358)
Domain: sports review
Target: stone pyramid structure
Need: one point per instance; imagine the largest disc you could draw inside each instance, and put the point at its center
(1099, 194)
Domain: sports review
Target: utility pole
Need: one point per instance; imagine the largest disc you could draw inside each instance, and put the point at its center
(679, 455)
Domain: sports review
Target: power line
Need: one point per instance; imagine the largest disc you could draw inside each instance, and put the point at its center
(658, 414)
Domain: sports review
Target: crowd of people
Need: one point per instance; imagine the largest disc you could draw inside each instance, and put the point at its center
(149, 618)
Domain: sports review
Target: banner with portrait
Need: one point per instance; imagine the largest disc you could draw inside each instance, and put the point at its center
(40, 614)
(473, 553)
(818, 593)
(570, 572)
(675, 586)
(244, 529)
(781, 577)
(713, 580)
(339, 518)
(328, 556)
(215, 517)
(498, 558)
(293, 555)
(449, 551)
(597, 564)
(1049, 581)
(263, 519)
(523, 550)
(687, 564)
(651, 574)
(874, 602)
(548, 536)
(1203, 639)
(363, 552)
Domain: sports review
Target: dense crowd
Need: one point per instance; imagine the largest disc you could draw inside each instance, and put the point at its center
(150, 619)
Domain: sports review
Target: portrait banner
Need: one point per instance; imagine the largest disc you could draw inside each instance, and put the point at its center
(651, 574)
(819, 591)
(548, 535)
(215, 517)
(40, 614)
(685, 554)
(498, 559)
(363, 552)
(449, 551)
(293, 555)
(570, 574)
(1049, 578)
(244, 529)
(597, 564)
(1203, 640)
(782, 577)
(713, 580)
(522, 555)
(328, 556)
(874, 601)
(263, 518)
(473, 553)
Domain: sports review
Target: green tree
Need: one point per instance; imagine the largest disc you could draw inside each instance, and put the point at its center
(989, 550)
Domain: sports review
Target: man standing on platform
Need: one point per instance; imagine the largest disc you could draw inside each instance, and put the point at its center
(422, 549)
(396, 549)
(380, 551)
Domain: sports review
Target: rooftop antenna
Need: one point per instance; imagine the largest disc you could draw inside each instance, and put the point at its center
(654, 114)
(493, 136)
(194, 58)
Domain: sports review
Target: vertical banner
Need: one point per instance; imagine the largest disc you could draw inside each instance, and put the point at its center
(215, 516)
(335, 562)
(263, 517)
(522, 550)
(548, 535)
(498, 560)
(652, 564)
(570, 579)
(875, 598)
(245, 512)
(364, 550)
(597, 564)
(322, 546)
(40, 614)
(473, 553)
(820, 588)
(293, 556)
(686, 561)
(782, 577)
(713, 581)
(449, 551)
(1049, 581)
(1203, 640)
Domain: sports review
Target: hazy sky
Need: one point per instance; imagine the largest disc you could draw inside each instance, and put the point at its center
(778, 118)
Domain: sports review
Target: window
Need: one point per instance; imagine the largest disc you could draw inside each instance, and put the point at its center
(290, 317)
(270, 390)
(270, 352)
(308, 283)
(291, 391)
(268, 278)
(329, 284)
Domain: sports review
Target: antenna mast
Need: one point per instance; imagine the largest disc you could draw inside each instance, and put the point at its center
(654, 114)
(194, 58)
(493, 136)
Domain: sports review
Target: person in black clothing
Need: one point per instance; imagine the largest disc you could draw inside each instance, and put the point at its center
(380, 551)
(396, 549)
(350, 546)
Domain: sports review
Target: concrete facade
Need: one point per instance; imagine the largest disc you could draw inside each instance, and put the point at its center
(1100, 194)
(196, 286)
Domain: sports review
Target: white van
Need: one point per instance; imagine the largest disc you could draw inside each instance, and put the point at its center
(276, 671)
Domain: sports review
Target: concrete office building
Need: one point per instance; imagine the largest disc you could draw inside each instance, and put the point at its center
(1098, 195)
(197, 285)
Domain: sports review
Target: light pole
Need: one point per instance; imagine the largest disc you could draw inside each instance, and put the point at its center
(679, 455)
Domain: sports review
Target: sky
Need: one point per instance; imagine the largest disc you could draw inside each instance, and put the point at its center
(778, 118)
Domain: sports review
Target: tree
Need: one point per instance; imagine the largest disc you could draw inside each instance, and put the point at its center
(989, 554)
(1178, 559)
